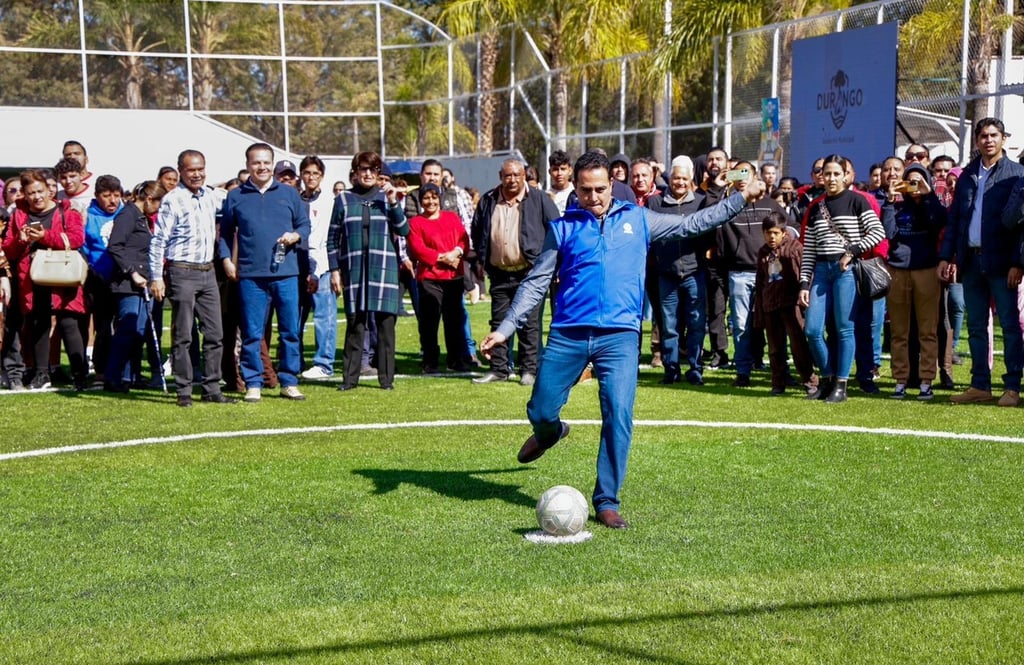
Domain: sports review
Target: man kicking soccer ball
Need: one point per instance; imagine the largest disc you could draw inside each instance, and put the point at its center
(600, 250)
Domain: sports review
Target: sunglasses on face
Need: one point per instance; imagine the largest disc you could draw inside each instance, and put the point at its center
(816, 170)
(916, 155)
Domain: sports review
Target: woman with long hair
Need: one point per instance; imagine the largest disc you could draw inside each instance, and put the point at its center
(840, 225)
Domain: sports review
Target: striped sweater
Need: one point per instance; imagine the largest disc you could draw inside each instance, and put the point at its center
(857, 222)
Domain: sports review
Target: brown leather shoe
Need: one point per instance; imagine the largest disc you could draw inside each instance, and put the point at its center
(611, 519)
(1010, 398)
(972, 396)
(532, 450)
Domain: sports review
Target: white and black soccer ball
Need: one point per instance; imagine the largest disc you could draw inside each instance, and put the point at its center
(562, 511)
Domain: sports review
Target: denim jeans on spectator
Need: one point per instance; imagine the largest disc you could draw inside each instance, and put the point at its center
(867, 335)
(741, 318)
(258, 296)
(833, 291)
(614, 354)
(955, 310)
(683, 305)
(979, 290)
(325, 324)
(132, 321)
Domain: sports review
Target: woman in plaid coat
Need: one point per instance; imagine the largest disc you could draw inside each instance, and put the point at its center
(363, 260)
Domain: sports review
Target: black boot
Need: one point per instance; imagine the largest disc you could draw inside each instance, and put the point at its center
(839, 393)
(823, 389)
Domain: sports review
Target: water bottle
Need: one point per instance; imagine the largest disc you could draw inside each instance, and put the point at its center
(280, 249)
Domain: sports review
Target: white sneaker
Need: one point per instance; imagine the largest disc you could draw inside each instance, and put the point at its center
(292, 393)
(316, 373)
(253, 395)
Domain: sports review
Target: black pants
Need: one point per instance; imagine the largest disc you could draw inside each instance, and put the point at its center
(13, 362)
(355, 332)
(194, 294)
(104, 309)
(504, 286)
(718, 295)
(441, 300)
(68, 328)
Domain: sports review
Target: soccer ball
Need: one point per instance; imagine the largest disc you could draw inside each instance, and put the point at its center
(562, 511)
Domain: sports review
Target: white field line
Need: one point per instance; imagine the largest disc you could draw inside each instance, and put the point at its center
(288, 431)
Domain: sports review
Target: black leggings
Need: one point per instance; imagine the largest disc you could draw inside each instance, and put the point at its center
(67, 327)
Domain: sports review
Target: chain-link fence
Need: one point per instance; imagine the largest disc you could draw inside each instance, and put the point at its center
(957, 63)
(338, 77)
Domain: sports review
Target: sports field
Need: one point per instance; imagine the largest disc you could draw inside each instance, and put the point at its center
(871, 536)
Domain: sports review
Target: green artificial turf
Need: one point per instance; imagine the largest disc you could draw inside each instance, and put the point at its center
(405, 544)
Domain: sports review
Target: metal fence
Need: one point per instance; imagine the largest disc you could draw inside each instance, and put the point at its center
(338, 77)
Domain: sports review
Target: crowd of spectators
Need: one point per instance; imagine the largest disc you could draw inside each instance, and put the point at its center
(777, 277)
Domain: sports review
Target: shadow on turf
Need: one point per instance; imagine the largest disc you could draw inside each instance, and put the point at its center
(464, 485)
(569, 630)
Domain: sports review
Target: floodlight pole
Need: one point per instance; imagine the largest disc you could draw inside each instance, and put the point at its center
(965, 47)
(284, 76)
(85, 64)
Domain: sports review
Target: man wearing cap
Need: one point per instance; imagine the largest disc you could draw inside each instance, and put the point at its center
(982, 247)
(264, 226)
(286, 173)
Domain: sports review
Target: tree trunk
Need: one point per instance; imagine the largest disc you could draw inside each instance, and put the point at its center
(561, 102)
(980, 62)
(488, 66)
(421, 130)
(560, 84)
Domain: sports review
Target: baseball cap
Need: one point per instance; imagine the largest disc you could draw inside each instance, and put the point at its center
(285, 166)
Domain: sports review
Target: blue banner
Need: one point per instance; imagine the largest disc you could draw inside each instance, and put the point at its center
(844, 98)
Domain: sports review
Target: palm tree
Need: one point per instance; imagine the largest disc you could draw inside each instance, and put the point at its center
(424, 75)
(463, 18)
(696, 23)
(573, 33)
(919, 58)
(122, 29)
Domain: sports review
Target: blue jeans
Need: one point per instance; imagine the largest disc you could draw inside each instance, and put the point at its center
(867, 336)
(979, 290)
(614, 354)
(683, 303)
(832, 291)
(470, 352)
(325, 324)
(955, 310)
(741, 318)
(132, 318)
(258, 296)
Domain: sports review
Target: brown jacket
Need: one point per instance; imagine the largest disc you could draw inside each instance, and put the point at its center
(780, 290)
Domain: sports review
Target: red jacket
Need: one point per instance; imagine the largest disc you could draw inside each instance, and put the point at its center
(65, 220)
(429, 237)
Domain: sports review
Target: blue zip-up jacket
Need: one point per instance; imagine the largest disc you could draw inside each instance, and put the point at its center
(98, 225)
(1000, 244)
(257, 220)
(601, 266)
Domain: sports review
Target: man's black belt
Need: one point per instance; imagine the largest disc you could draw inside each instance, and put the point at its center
(186, 265)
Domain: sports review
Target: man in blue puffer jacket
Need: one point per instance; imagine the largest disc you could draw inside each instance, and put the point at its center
(600, 249)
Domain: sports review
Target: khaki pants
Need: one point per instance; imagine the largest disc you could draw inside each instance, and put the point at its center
(917, 291)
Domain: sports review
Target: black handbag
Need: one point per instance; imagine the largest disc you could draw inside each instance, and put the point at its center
(871, 275)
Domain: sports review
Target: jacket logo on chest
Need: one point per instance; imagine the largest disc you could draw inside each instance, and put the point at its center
(627, 228)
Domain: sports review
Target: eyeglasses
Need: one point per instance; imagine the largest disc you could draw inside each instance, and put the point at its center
(816, 170)
(365, 169)
(916, 155)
